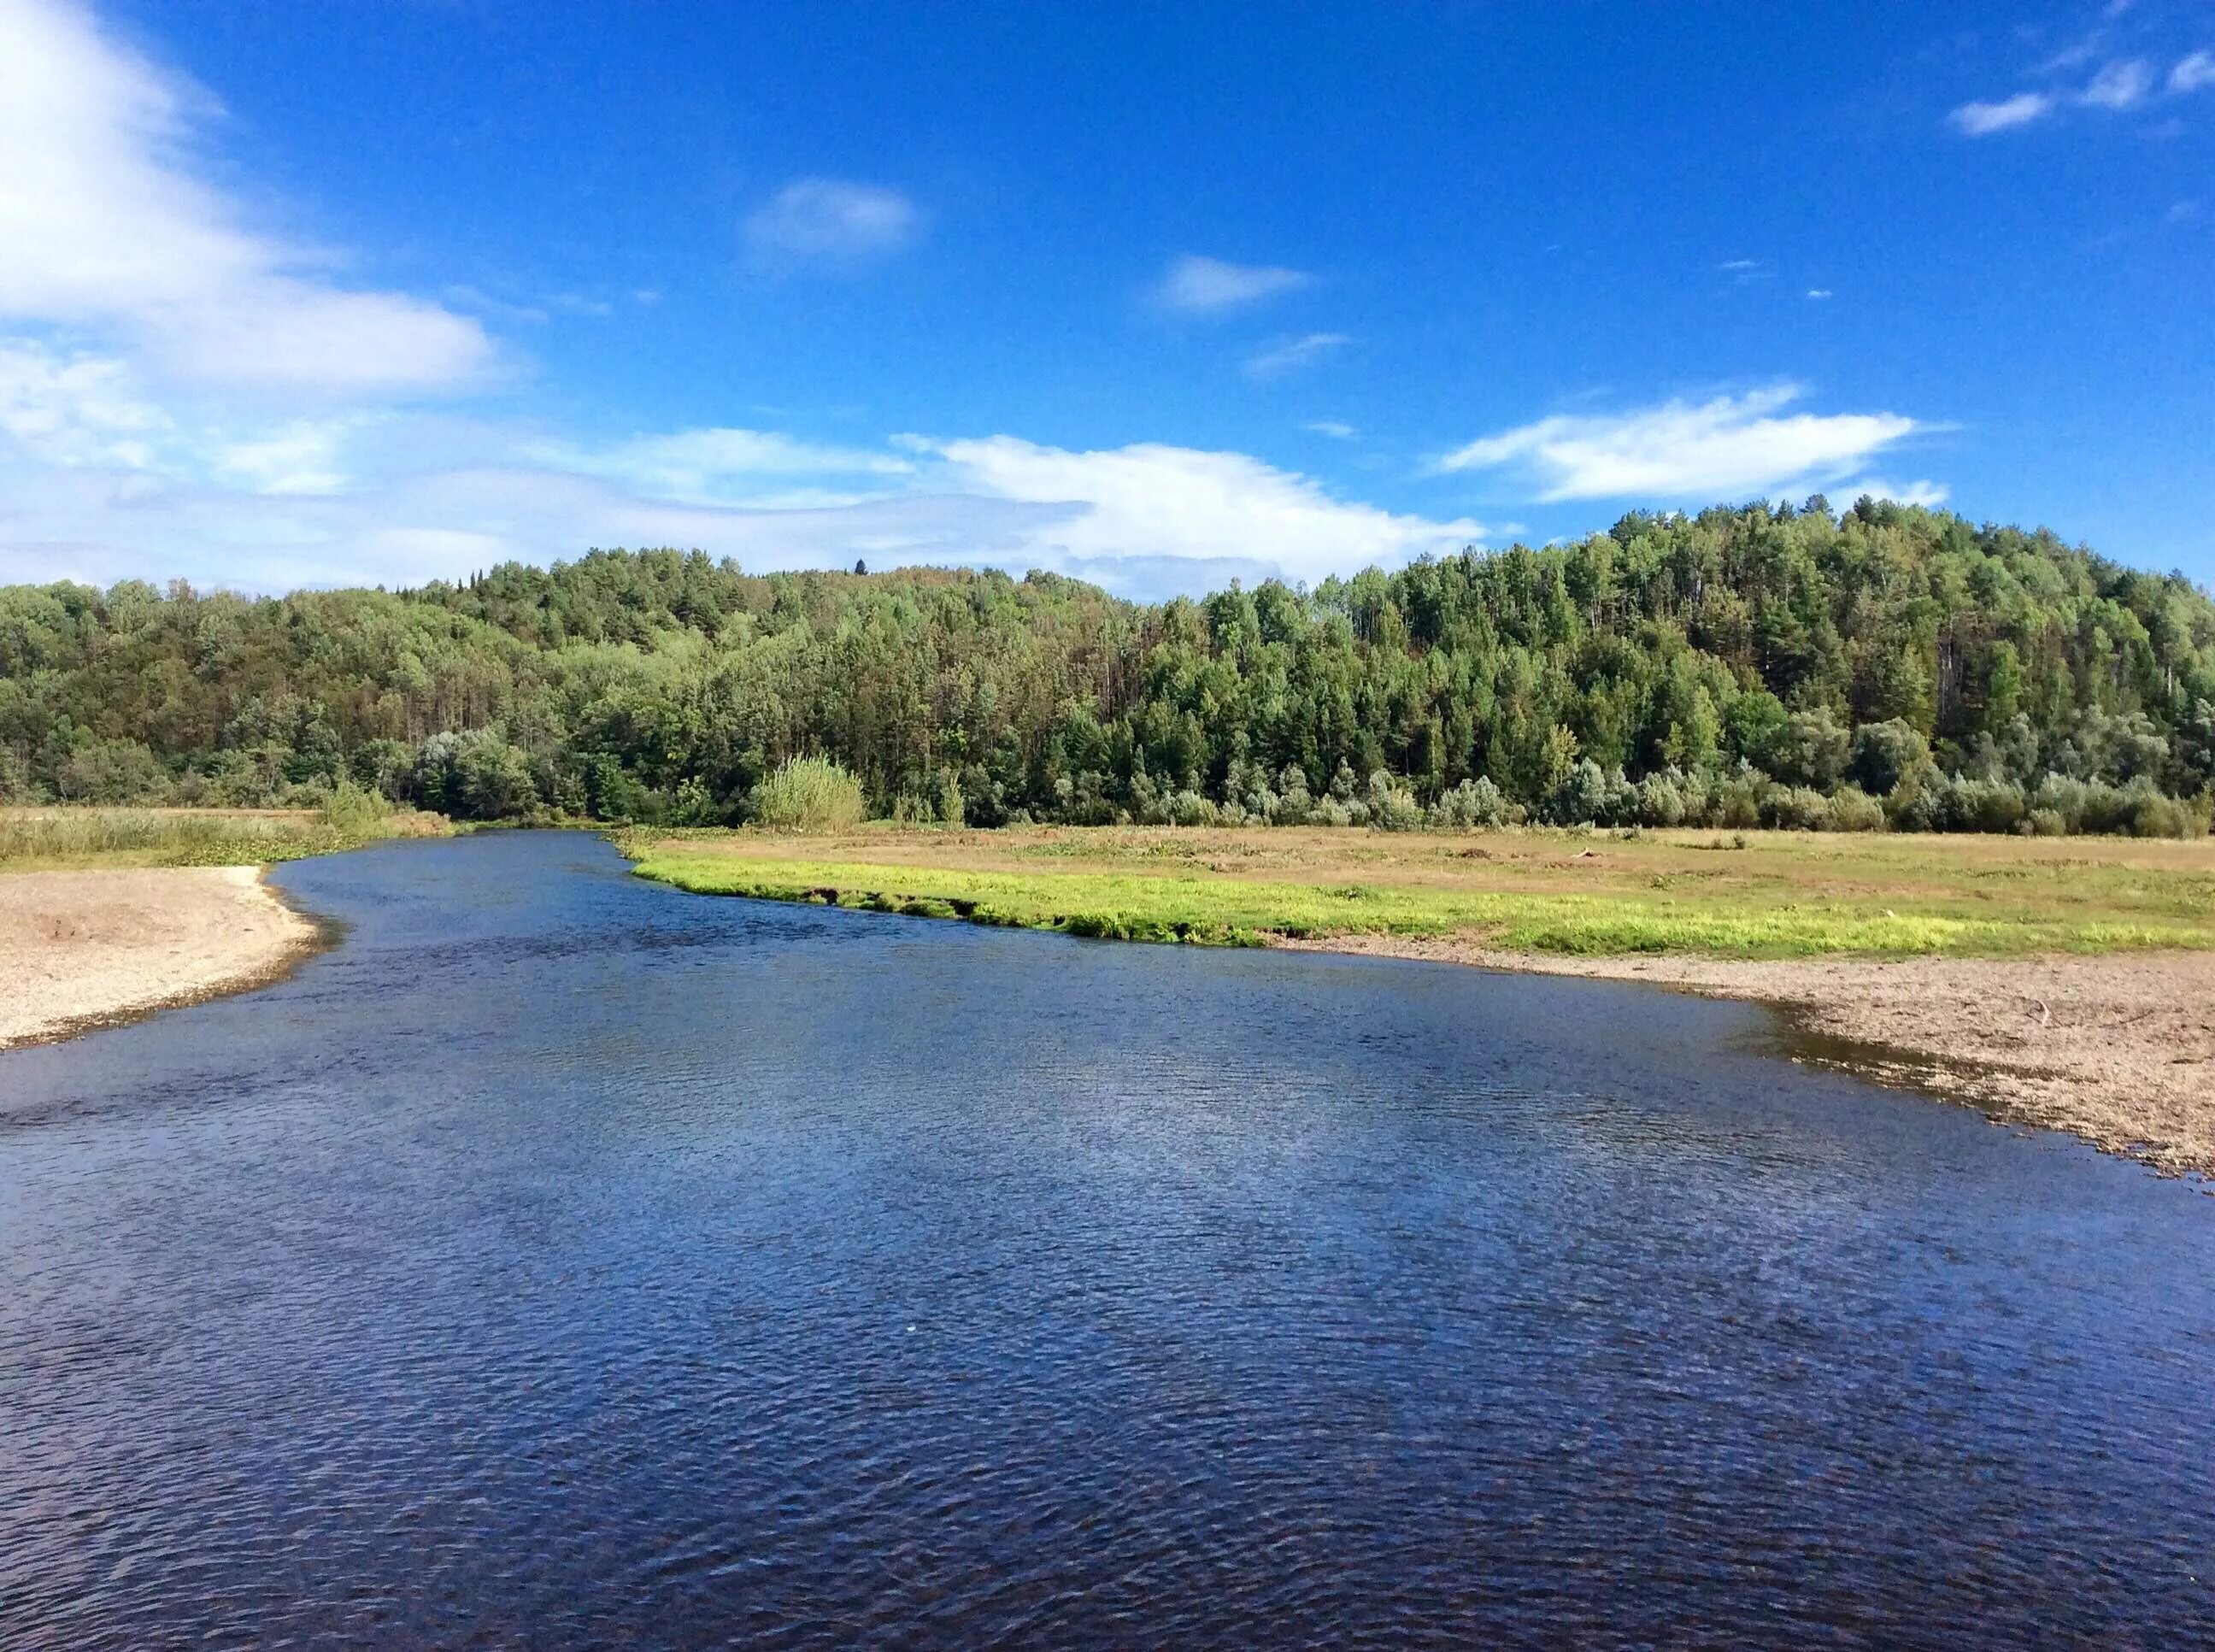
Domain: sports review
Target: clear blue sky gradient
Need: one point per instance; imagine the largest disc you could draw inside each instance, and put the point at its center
(1507, 212)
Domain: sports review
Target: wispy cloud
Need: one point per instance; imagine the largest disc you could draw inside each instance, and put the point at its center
(832, 221)
(2122, 85)
(108, 221)
(2193, 74)
(1929, 494)
(1819, 293)
(1730, 444)
(1982, 119)
(1294, 354)
(720, 466)
(1203, 286)
(1336, 429)
(96, 483)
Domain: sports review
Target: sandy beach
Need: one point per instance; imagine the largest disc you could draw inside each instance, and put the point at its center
(82, 948)
(2119, 1050)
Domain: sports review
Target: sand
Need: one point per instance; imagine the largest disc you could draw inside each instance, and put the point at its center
(87, 949)
(2118, 1049)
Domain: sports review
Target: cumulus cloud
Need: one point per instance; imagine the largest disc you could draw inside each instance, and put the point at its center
(1982, 119)
(1209, 285)
(829, 220)
(106, 222)
(1153, 500)
(2192, 74)
(1729, 445)
(1294, 354)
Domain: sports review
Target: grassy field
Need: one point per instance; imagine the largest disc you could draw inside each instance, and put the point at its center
(56, 840)
(1730, 895)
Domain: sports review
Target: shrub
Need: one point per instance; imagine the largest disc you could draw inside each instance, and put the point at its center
(1189, 808)
(1736, 802)
(1853, 809)
(1811, 750)
(1473, 803)
(1392, 806)
(1796, 808)
(809, 794)
(354, 811)
(1591, 795)
(1886, 753)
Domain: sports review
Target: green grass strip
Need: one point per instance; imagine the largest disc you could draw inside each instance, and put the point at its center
(1236, 911)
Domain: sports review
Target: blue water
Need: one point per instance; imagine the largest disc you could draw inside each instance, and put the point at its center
(560, 1260)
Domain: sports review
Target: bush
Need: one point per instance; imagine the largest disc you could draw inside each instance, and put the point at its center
(2153, 816)
(1796, 808)
(1591, 795)
(354, 811)
(1392, 806)
(1811, 750)
(809, 794)
(1853, 809)
(1471, 804)
(1886, 753)
(113, 771)
(474, 776)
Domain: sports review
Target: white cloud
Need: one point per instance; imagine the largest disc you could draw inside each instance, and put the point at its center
(1730, 445)
(829, 220)
(2192, 74)
(106, 222)
(719, 466)
(1982, 119)
(1819, 293)
(1336, 429)
(1293, 355)
(304, 457)
(1929, 494)
(414, 497)
(1149, 500)
(2119, 86)
(1208, 286)
(77, 411)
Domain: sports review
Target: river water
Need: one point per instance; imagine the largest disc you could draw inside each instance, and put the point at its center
(562, 1260)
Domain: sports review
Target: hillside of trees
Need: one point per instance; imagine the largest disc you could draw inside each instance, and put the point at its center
(1756, 666)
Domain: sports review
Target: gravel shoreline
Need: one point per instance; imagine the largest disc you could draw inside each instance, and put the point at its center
(2119, 1049)
(86, 949)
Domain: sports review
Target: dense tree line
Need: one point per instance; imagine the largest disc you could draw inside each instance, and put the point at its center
(1758, 665)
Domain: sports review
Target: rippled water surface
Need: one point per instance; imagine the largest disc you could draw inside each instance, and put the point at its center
(564, 1260)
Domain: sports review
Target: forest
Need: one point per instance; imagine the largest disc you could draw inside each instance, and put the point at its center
(1756, 665)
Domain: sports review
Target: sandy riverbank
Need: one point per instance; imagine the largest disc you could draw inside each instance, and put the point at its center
(2119, 1050)
(82, 948)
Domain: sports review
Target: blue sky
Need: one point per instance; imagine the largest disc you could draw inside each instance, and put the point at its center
(391, 290)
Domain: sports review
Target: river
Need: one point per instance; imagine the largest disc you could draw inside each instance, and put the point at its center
(562, 1260)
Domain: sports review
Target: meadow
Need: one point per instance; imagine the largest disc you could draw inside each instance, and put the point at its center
(1749, 895)
(68, 839)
